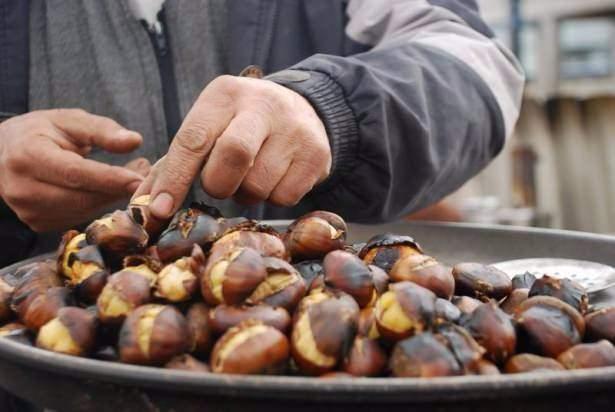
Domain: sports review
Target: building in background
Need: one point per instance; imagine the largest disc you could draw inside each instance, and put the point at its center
(559, 168)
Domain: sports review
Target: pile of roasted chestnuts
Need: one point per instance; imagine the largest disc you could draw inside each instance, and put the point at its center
(208, 294)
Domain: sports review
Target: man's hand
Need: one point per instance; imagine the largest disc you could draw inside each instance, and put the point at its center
(250, 138)
(43, 176)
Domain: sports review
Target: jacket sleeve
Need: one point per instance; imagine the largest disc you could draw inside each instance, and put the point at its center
(411, 119)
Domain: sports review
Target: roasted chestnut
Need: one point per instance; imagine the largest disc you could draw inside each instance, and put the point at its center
(548, 326)
(125, 290)
(314, 235)
(324, 329)
(41, 307)
(405, 310)
(153, 335)
(16, 332)
(563, 289)
(83, 265)
(139, 210)
(367, 324)
(262, 238)
(32, 280)
(200, 330)
(72, 331)
(224, 317)
(346, 272)
(251, 348)
(493, 330)
(117, 235)
(462, 345)
(178, 281)
(465, 304)
(425, 271)
(365, 358)
(385, 250)
(481, 281)
(233, 277)
(380, 278)
(528, 362)
(197, 224)
(310, 270)
(512, 301)
(588, 355)
(6, 296)
(336, 375)
(423, 356)
(523, 281)
(283, 285)
(601, 325)
(186, 362)
(446, 311)
(484, 367)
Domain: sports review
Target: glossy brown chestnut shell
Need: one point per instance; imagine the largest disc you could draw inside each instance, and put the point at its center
(528, 362)
(41, 307)
(83, 265)
(523, 281)
(565, 289)
(72, 332)
(588, 355)
(310, 270)
(462, 345)
(466, 304)
(314, 235)
(365, 358)
(16, 332)
(33, 280)
(548, 326)
(323, 330)
(153, 335)
(493, 330)
(405, 310)
(511, 302)
(6, 295)
(367, 323)
(446, 311)
(346, 272)
(125, 291)
(251, 348)
(185, 362)
(283, 285)
(481, 281)
(425, 271)
(601, 325)
(117, 235)
(380, 278)
(262, 238)
(224, 317)
(233, 277)
(423, 356)
(139, 210)
(384, 250)
(179, 281)
(485, 367)
(201, 340)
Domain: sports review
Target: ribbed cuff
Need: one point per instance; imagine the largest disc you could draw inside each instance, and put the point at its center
(327, 98)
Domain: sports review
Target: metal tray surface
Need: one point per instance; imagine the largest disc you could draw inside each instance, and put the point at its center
(66, 383)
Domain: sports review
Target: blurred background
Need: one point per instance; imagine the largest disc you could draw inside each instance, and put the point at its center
(558, 170)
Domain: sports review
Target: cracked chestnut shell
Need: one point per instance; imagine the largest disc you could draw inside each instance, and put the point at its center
(153, 335)
(197, 224)
(548, 326)
(185, 362)
(314, 235)
(523, 281)
(423, 356)
(179, 281)
(346, 272)
(117, 235)
(72, 332)
(588, 355)
(251, 348)
(233, 277)
(481, 281)
(462, 345)
(384, 250)
(310, 270)
(224, 317)
(425, 271)
(33, 280)
(601, 325)
(365, 358)
(528, 362)
(466, 304)
(125, 290)
(139, 210)
(262, 238)
(283, 285)
(511, 302)
(493, 330)
(200, 330)
(83, 265)
(565, 289)
(367, 324)
(323, 330)
(405, 310)
(37, 309)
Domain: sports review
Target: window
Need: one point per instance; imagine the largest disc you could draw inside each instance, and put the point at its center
(586, 47)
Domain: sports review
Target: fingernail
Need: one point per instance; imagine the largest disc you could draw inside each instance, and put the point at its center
(162, 206)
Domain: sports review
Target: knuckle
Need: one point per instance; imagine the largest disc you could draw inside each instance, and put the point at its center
(225, 82)
(72, 176)
(254, 187)
(194, 138)
(236, 153)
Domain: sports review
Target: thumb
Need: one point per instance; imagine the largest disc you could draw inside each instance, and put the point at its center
(85, 129)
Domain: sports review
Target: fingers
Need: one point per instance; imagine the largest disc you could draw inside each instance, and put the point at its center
(86, 129)
(146, 186)
(296, 183)
(140, 165)
(69, 170)
(233, 154)
(207, 119)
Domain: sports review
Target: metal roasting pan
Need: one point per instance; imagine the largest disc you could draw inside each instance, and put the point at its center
(65, 383)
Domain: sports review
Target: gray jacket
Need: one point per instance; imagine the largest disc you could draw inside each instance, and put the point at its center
(416, 95)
